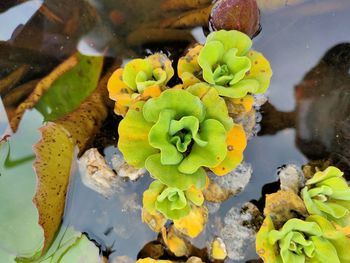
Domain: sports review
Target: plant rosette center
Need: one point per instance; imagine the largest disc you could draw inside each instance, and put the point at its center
(227, 63)
(181, 132)
(312, 240)
(328, 194)
(172, 202)
(140, 79)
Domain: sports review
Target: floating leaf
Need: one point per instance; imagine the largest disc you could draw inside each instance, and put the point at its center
(155, 221)
(53, 152)
(192, 224)
(72, 88)
(218, 249)
(54, 155)
(20, 232)
(176, 244)
(70, 246)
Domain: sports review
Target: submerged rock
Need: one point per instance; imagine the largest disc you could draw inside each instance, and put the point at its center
(96, 174)
(291, 178)
(223, 187)
(239, 230)
(125, 170)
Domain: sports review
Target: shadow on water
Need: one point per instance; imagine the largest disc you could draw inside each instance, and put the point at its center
(306, 118)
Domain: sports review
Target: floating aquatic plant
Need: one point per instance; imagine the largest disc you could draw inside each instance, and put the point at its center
(140, 79)
(227, 63)
(172, 202)
(179, 133)
(299, 241)
(328, 194)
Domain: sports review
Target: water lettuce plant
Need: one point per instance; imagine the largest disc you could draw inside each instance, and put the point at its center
(138, 80)
(327, 194)
(179, 133)
(227, 63)
(172, 202)
(312, 240)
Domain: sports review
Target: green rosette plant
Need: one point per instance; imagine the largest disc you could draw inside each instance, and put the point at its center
(327, 194)
(298, 241)
(172, 202)
(227, 63)
(140, 79)
(179, 133)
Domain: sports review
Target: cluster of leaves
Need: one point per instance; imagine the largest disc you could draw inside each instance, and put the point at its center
(323, 235)
(179, 133)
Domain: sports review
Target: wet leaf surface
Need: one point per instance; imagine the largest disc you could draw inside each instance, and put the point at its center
(68, 91)
(19, 237)
(54, 156)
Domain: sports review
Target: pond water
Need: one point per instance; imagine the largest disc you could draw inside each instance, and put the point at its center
(306, 116)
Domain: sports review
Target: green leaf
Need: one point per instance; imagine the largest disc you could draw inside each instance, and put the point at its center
(133, 133)
(137, 70)
(6, 258)
(159, 138)
(231, 39)
(71, 89)
(324, 251)
(172, 177)
(209, 155)
(337, 238)
(239, 66)
(240, 89)
(210, 56)
(327, 194)
(215, 106)
(169, 99)
(20, 232)
(70, 246)
(150, 196)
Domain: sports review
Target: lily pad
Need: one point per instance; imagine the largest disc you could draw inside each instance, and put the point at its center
(20, 232)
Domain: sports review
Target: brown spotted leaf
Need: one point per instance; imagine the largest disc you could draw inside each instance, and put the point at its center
(54, 155)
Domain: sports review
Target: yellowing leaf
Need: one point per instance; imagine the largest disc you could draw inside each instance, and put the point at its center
(218, 249)
(54, 155)
(192, 224)
(236, 142)
(264, 249)
(154, 221)
(175, 242)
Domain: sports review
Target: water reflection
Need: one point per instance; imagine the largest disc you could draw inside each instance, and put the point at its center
(17, 17)
(293, 42)
(321, 117)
